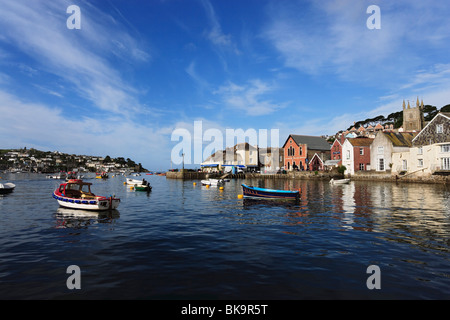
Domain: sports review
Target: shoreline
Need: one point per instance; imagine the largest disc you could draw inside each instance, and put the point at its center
(311, 175)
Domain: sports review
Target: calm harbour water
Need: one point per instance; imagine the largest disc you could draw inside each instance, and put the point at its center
(182, 241)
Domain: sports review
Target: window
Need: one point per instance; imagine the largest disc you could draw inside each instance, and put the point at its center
(361, 166)
(439, 128)
(348, 154)
(420, 150)
(405, 165)
(445, 162)
(381, 164)
(420, 163)
(301, 150)
(361, 151)
(380, 150)
(445, 148)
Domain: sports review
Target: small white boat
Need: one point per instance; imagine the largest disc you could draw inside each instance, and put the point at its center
(139, 185)
(339, 181)
(7, 187)
(61, 175)
(135, 181)
(213, 182)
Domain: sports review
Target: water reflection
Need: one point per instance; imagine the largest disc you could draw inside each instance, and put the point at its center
(82, 219)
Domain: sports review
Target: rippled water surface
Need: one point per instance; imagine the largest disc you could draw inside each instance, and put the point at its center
(184, 241)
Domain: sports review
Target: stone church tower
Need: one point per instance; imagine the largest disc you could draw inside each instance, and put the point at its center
(413, 117)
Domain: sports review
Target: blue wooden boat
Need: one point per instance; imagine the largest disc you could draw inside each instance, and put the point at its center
(262, 193)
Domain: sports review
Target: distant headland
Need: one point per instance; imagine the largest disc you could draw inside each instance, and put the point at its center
(33, 160)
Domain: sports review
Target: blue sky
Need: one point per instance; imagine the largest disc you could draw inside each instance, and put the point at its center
(137, 70)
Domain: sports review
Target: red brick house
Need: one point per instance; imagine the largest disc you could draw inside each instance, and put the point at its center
(356, 154)
(299, 150)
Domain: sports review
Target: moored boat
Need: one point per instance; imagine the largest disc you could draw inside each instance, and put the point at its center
(339, 181)
(102, 175)
(139, 185)
(213, 182)
(263, 193)
(76, 194)
(7, 187)
(60, 175)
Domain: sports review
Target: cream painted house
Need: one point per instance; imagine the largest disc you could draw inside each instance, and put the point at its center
(242, 155)
(430, 151)
(385, 145)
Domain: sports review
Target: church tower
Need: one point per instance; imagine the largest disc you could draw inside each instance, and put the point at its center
(413, 117)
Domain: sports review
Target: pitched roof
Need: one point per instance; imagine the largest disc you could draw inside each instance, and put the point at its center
(447, 114)
(400, 139)
(313, 142)
(360, 142)
(444, 114)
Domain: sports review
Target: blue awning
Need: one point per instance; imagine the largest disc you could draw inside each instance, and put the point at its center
(233, 165)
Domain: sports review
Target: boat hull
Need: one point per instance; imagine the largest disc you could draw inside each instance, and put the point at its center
(7, 188)
(98, 204)
(272, 194)
(142, 188)
(340, 181)
(213, 182)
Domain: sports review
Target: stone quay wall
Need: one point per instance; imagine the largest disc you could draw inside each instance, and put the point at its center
(316, 175)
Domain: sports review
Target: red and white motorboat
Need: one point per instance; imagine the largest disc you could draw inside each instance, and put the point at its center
(76, 194)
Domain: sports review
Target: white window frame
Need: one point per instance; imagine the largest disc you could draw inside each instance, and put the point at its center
(420, 163)
(445, 163)
(439, 128)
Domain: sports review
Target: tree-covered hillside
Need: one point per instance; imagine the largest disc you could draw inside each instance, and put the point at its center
(396, 118)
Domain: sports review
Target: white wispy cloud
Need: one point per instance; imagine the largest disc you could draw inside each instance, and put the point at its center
(215, 33)
(201, 83)
(331, 37)
(42, 126)
(79, 57)
(250, 98)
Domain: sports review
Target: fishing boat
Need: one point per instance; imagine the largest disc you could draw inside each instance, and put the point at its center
(339, 181)
(76, 194)
(7, 187)
(213, 182)
(263, 193)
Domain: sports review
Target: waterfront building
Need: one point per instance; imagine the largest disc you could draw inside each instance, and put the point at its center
(305, 152)
(242, 155)
(385, 144)
(356, 154)
(430, 150)
(270, 159)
